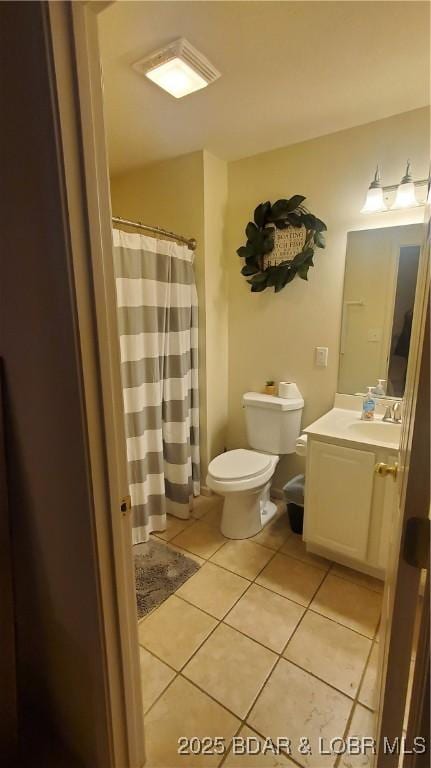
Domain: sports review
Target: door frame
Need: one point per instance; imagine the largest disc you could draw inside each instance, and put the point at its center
(77, 89)
(8, 676)
(419, 713)
(403, 580)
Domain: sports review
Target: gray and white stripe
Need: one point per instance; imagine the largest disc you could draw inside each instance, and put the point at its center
(158, 326)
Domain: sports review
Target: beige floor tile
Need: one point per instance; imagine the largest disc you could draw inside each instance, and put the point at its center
(142, 548)
(377, 585)
(155, 677)
(200, 538)
(363, 724)
(295, 547)
(184, 711)
(174, 525)
(213, 516)
(291, 578)
(368, 691)
(203, 504)
(251, 741)
(186, 552)
(326, 649)
(266, 617)
(243, 557)
(294, 703)
(213, 589)
(174, 631)
(276, 532)
(231, 668)
(349, 604)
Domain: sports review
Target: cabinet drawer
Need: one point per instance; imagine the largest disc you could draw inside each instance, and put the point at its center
(339, 489)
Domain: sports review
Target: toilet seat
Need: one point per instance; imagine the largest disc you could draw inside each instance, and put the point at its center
(239, 464)
(240, 470)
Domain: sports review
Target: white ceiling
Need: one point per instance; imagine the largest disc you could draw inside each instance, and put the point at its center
(290, 71)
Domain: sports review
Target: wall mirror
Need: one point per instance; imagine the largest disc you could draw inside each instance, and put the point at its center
(378, 299)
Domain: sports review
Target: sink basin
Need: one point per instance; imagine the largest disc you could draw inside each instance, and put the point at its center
(382, 431)
(345, 424)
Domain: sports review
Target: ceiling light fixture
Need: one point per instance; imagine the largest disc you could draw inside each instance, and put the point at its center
(178, 68)
(405, 193)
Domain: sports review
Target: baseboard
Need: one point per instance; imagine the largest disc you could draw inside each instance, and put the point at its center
(276, 493)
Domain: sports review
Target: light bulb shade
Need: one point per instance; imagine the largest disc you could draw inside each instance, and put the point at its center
(178, 68)
(374, 201)
(177, 78)
(406, 195)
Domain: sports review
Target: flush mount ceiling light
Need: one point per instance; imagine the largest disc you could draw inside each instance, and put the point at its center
(405, 193)
(178, 68)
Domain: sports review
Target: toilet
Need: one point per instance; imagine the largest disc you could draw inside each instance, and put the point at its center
(243, 476)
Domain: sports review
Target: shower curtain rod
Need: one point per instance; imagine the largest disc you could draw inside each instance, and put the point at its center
(190, 242)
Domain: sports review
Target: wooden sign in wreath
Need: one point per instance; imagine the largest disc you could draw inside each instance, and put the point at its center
(280, 243)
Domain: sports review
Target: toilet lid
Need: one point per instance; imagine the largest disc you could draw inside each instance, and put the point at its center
(238, 464)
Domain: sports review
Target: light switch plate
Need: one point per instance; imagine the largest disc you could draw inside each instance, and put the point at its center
(321, 357)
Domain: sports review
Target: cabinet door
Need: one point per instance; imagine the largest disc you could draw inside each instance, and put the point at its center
(339, 488)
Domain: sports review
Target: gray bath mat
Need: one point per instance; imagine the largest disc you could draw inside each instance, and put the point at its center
(159, 571)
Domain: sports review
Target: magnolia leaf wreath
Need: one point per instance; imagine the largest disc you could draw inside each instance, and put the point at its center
(261, 239)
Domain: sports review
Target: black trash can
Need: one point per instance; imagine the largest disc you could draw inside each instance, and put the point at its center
(294, 495)
(296, 517)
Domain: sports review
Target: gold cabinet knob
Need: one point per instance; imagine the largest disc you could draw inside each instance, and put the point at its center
(386, 469)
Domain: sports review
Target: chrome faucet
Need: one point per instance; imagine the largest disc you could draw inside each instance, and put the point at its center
(393, 412)
(397, 412)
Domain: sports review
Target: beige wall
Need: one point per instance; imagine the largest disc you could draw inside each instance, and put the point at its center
(188, 195)
(274, 335)
(215, 204)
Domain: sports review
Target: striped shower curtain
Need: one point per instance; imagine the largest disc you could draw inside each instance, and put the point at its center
(157, 317)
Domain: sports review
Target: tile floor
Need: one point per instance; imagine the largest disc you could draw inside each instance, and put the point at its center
(264, 641)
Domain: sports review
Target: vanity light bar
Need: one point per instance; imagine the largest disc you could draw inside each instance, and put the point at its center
(405, 193)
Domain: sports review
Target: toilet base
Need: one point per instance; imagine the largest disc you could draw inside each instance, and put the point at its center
(268, 512)
(245, 513)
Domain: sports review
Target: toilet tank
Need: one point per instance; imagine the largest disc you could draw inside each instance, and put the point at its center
(273, 423)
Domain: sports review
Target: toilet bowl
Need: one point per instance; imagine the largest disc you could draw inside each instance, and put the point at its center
(243, 477)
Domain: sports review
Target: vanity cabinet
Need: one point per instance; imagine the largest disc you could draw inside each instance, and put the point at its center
(348, 508)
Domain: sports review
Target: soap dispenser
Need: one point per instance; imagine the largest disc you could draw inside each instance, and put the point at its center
(368, 406)
(380, 390)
